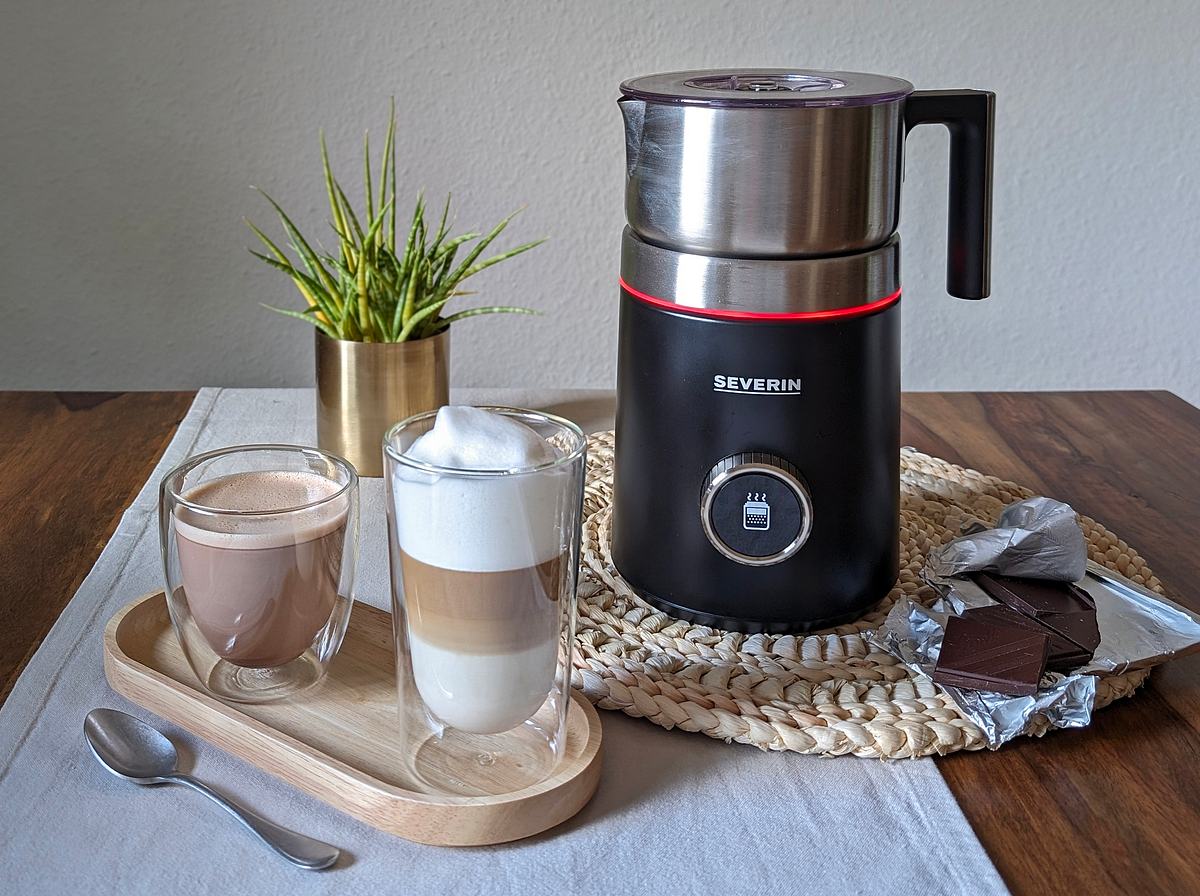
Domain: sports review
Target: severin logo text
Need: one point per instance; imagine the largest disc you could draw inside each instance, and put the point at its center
(744, 385)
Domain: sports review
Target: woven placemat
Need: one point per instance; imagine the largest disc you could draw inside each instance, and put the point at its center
(827, 692)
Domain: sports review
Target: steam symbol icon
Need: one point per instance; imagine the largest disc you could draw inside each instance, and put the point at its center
(756, 515)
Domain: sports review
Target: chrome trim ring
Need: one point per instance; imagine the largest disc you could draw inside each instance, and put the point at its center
(760, 285)
(768, 465)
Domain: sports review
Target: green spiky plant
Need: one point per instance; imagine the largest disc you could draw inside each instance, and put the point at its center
(375, 289)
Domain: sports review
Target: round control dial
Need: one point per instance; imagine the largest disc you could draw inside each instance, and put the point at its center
(755, 509)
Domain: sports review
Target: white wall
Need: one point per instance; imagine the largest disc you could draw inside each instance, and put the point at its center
(131, 131)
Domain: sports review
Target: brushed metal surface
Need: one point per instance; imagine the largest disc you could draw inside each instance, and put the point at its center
(765, 285)
(364, 388)
(763, 181)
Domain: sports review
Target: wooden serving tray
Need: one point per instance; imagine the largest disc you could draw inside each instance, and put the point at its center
(338, 742)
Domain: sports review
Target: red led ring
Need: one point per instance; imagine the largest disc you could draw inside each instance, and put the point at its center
(730, 314)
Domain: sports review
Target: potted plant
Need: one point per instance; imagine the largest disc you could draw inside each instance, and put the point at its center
(379, 306)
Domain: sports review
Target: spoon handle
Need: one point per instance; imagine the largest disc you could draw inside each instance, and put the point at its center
(296, 848)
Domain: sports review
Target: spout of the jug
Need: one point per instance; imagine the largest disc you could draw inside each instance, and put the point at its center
(633, 111)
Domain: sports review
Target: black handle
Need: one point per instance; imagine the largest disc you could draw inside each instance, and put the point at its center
(968, 114)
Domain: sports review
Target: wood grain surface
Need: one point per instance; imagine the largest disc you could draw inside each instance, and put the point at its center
(1114, 808)
(70, 463)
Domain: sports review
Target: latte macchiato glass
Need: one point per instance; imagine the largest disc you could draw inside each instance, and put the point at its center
(484, 553)
(259, 549)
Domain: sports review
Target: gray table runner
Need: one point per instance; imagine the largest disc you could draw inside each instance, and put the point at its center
(675, 813)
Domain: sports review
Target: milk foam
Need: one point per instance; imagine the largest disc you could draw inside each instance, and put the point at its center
(467, 438)
(483, 693)
(261, 492)
(483, 524)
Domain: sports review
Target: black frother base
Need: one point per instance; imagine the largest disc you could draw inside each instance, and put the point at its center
(751, 626)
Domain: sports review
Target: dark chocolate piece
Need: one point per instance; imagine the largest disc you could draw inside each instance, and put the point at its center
(971, 683)
(989, 656)
(1067, 662)
(1034, 597)
(1081, 594)
(1064, 654)
(1080, 628)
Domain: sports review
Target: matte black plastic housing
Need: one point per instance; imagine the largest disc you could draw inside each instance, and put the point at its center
(842, 433)
(969, 115)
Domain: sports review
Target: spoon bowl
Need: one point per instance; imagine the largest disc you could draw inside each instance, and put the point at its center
(128, 747)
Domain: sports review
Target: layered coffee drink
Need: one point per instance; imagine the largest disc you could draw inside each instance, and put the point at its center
(260, 556)
(483, 564)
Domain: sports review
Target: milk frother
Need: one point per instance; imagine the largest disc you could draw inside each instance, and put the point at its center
(756, 481)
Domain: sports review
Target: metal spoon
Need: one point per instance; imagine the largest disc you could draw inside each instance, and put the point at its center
(131, 749)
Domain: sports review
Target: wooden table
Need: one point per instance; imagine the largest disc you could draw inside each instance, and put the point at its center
(1111, 809)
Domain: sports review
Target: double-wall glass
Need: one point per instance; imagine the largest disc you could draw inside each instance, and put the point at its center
(484, 566)
(259, 549)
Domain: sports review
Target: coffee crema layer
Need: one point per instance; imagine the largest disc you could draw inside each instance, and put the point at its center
(483, 612)
(261, 587)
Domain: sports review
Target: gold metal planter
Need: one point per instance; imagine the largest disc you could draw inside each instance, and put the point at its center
(365, 387)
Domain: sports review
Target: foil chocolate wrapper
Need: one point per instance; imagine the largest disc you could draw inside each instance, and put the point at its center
(913, 633)
(1138, 628)
(1038, 538)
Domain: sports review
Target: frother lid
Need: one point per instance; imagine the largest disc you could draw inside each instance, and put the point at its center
(767, 87)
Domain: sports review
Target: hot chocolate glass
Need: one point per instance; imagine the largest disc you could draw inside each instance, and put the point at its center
(259, 544)
(483, 521)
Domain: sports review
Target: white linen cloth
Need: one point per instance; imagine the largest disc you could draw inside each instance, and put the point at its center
(675, 813)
